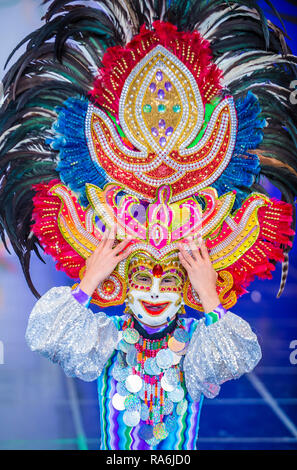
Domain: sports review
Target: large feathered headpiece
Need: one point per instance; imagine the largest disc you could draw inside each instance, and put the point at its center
(159, 118)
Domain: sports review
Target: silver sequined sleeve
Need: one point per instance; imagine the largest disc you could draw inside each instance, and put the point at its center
(70, 334)
(219, 352)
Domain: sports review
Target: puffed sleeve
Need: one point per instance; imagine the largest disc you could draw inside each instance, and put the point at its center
(219, 352)
(66, 332)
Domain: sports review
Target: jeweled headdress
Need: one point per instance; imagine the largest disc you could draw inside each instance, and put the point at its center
(159, 118)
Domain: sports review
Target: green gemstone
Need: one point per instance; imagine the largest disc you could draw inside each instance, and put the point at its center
(147, 108)
(176, 108)
(161, 108)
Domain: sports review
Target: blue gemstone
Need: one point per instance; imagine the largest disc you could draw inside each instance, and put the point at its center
(168, 86)
(176, 108)
(161, 108)
(152, 87)
(162, 124)
(159, 76)
(169, 131)
(161, 94)
(162, 141)
(154, 131)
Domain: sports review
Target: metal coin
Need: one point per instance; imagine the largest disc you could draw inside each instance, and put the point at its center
(160, 431)
(167, 407)
(133, 383)
(164, 358)
(176, 359)
(156, 418)
(131, 418)
(170, 423)
(147, 366)
(121, 373)
(132, 403)
(181, 335)
(124, 346)
(118, 402)
(130, 335)
(166, 386)
(146, 432)
(131, 357)
(176, 395)
(121, 359)
(141, 393)
(181, 407)
(121, 389)
(172, 376)
(151, 367)
(144, 414)
(152, 442)
(175, 345)
(183, 351)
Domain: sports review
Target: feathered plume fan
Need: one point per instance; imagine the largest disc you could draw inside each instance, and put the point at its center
(62, 60)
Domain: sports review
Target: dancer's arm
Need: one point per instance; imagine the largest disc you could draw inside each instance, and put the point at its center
(223, 346)
(64, 330)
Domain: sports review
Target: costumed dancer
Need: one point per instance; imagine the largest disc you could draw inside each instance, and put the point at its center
(134, 135)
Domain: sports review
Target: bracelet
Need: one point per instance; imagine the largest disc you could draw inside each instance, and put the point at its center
(81, 296)
(215, 315)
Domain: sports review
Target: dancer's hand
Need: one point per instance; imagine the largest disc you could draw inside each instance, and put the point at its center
(201, 273)
(102, 262)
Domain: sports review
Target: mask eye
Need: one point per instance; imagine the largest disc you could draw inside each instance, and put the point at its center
(169, 281)
(143, 279)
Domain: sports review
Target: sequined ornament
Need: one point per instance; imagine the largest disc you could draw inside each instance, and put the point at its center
(131, 336)
(148, 391)
(133, 383)
(160, 431)
(131, 418)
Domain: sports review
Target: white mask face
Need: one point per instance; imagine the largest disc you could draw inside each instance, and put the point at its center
(154, 300)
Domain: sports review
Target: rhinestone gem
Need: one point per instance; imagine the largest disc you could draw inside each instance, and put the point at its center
(169, 131)
(176, 108)
(159, 75)
(168, 86)
(161, 94)
(162, 141)
(152, 87)
(154, 131)
(162, 123)
(147, 108)
(161, 108)
(157, 270)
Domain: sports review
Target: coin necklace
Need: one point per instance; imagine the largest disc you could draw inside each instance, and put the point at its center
(150, 388)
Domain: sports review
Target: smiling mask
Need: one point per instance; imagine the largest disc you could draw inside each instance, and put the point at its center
(155, 291)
